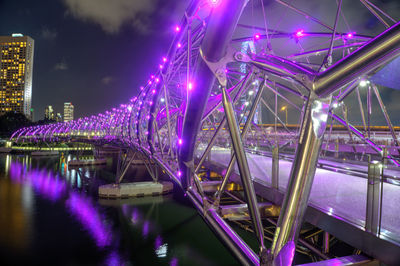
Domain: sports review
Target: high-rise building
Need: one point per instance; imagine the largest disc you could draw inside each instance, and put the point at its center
(16, 62)
(58, 117)
(68, 112)
(49, 113)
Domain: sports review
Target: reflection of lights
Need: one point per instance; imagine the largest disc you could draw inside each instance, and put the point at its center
(161, 251)
(89, 217)
(251, 92)
(145, 231)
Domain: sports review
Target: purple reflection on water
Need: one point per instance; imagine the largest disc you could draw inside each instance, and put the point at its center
(145, 231)
(114, 259)
(89, 217)
(158, 242)
(43, 182)
(174, 262)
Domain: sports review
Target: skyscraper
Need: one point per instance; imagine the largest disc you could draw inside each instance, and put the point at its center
(16, 62)
(49, 113)
(68, 112)
(58, 117)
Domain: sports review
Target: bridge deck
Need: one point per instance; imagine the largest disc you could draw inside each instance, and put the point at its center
(339, 195)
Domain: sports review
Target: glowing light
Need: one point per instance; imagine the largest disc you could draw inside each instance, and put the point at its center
(179, 45)
(177, 28)
(150, 82)
(157, 80)
(214, 3)
(190, 86)
(154, 91)
(251, 93)
(257, 36)
(162, 100)
(300, 33)
(350, 35)
(164, 59)
(161, 66)
(363, 83)
(180, 141)
(179, 173)
(152, 76)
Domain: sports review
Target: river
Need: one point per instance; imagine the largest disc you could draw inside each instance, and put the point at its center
(51, 215)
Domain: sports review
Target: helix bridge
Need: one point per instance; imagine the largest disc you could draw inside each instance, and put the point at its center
(214, 118)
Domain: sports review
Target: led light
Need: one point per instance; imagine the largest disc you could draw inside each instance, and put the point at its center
(154, 91)
(164, 59)
(350, 35)
(363, 83)
(179, 45)
(214, 3)
(251, 92)
(177, 28)
(190, 86)
(180, 141)
(300, 33)
(257, 36)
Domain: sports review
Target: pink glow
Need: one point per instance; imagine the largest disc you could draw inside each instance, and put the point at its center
(257, 36)
(157, 80)
(154, 91)
(164, 59)
(180, 141)
(214, 3)
(150, 82)
(152, 76)
(190, 86)
(300, 33)
(179, 45)
(179, 173)
(177, 28)
(161, 66)
(141, 88)
(350, 35)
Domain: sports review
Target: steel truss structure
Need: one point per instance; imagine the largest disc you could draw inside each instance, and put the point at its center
(227, 67)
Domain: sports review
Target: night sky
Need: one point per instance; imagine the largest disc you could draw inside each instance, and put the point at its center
(94, 54)
(97, 53)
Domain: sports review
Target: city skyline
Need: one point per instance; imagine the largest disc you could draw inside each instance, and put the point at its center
(16, 62)
(84, 52)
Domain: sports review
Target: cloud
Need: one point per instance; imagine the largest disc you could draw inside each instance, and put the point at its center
(48, 34)
(107, 80)
(111, 15)
(61, 66)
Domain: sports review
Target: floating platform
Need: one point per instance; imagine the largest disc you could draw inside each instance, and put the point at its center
(44, 153)
(87, 162)
(137, 189)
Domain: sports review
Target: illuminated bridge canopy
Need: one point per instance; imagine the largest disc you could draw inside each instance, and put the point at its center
(237, 79)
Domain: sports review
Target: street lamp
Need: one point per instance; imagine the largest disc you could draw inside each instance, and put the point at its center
(284, 108)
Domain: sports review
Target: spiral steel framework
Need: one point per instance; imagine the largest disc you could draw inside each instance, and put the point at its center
(214, 81)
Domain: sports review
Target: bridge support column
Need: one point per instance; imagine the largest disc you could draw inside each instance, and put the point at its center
(374, 197)
(275, 167)
(243, 169)
(301, 179)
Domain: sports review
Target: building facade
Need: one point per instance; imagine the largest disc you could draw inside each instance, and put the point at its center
(49, 113)
(68, 112)
(59, 117)
(16, 64)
